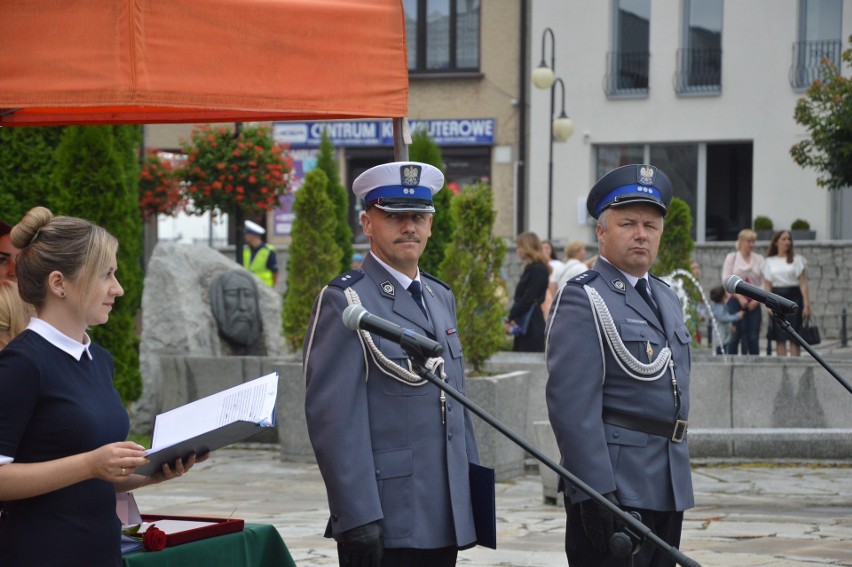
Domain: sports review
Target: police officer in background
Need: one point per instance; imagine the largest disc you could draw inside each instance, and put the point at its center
(393, 451)
(259, 257)
(618, 389)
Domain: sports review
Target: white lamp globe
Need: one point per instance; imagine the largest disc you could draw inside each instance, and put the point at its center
(543, 77)
(563, 127)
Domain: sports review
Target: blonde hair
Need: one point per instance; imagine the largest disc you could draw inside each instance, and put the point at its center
(573, 249)
(745, 235)
(14, 313)
(77, 248)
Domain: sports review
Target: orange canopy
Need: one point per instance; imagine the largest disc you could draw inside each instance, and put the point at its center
(157, 61)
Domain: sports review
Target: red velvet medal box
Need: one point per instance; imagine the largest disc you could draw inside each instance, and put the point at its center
(220, 527)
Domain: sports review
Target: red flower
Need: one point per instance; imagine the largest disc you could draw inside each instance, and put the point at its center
(154, 539)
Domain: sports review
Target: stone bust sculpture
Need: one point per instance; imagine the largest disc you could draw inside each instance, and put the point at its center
(234, 301)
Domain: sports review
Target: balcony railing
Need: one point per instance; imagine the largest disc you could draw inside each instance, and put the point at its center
(809, 58)
(627, 73)
(698, 71)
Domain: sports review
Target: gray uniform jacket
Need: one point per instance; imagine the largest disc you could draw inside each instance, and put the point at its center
(381, 447)
(646, 471)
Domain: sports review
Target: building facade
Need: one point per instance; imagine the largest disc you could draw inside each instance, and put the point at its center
(704, 89)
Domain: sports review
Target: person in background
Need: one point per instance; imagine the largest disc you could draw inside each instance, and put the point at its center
(63, 454)
(393, 453)
(785, 273)
(529, 295)
(14, 313)
(724, 319)
(259, 257)
(618, 359)
(748, 265)
(8, 253)
(575, 256)
(547, 248)
(357, 259)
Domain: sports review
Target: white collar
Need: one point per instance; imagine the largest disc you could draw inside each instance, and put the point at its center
(630, 278)
(60, 340)
(404, 280)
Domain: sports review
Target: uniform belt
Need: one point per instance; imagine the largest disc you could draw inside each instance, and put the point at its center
(674, 431)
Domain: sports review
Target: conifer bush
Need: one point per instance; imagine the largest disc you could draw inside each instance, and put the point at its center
(471, 266)
(26, 155)
(424, 150)
(95, 178)
(314, 255)
(340, 198)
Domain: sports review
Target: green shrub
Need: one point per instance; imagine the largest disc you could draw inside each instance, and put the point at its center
(424, 150)
(27, 170)
(340, 197)
(96, 176)
(676, 244)
(471, 266)
(800, 224)
(762, 223)
(314, 255)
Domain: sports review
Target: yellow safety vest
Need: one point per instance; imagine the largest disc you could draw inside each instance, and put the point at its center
(258, 265)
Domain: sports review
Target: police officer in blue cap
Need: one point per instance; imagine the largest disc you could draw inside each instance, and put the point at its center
(618, 357)
(393, 451)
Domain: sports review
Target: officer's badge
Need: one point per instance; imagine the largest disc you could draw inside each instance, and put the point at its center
(387, 287)
(646, 175)
(409, 175)
(619, 285)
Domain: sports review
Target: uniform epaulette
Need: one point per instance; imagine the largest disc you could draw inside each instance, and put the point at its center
(659, 279)
(434, 279)
(346, 279)
(584, 278)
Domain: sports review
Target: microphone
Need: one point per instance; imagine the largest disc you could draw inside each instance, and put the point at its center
(778, 304)
(356, 317)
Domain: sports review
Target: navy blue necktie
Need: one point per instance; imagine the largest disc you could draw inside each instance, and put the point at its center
(417, 293)
(642, 288)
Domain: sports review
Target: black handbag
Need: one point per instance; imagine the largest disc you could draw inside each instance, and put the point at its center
(810, 332)
(523, 322)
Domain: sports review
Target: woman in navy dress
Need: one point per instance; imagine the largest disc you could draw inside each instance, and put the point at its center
(63, 453)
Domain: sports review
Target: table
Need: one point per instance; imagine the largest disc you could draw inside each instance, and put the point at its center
(258, 545)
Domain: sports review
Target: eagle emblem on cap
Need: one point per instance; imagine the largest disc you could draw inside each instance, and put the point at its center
(409, 175)
(646, 174)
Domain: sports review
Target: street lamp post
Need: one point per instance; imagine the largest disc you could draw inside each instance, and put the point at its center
(561, 128)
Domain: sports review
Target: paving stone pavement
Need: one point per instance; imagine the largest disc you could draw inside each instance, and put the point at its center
(747, 514)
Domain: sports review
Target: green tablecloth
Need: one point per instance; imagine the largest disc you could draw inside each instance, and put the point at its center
(258, 545)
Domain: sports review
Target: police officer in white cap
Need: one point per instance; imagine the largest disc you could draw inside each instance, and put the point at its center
(393, 451)
(259, 257)
(618, 355)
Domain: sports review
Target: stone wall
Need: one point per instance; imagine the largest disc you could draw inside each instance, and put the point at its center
(829, 275)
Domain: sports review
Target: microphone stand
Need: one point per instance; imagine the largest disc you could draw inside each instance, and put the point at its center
(635, 530)
(785, 324)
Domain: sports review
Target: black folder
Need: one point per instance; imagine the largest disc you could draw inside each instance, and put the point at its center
(484, 507)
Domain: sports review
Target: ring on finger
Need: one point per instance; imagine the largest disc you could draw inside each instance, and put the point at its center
(123, 471)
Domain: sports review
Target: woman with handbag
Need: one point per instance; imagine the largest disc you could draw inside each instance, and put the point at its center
(526, 320)
(786, 274)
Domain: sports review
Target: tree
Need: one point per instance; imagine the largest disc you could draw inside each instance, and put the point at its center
(313, 258)
(471, 266)
(424, 150)
(96, 175)
(339, 197)
(26, 175)
(826, 113)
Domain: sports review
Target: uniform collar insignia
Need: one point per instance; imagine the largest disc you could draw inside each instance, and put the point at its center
(619, 285)
(387, 287)
(429, 289)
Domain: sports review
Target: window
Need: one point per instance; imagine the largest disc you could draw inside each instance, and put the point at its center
(699, 62)
(819, 40)
(443, 35)
(720, 198)
(627, 64)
